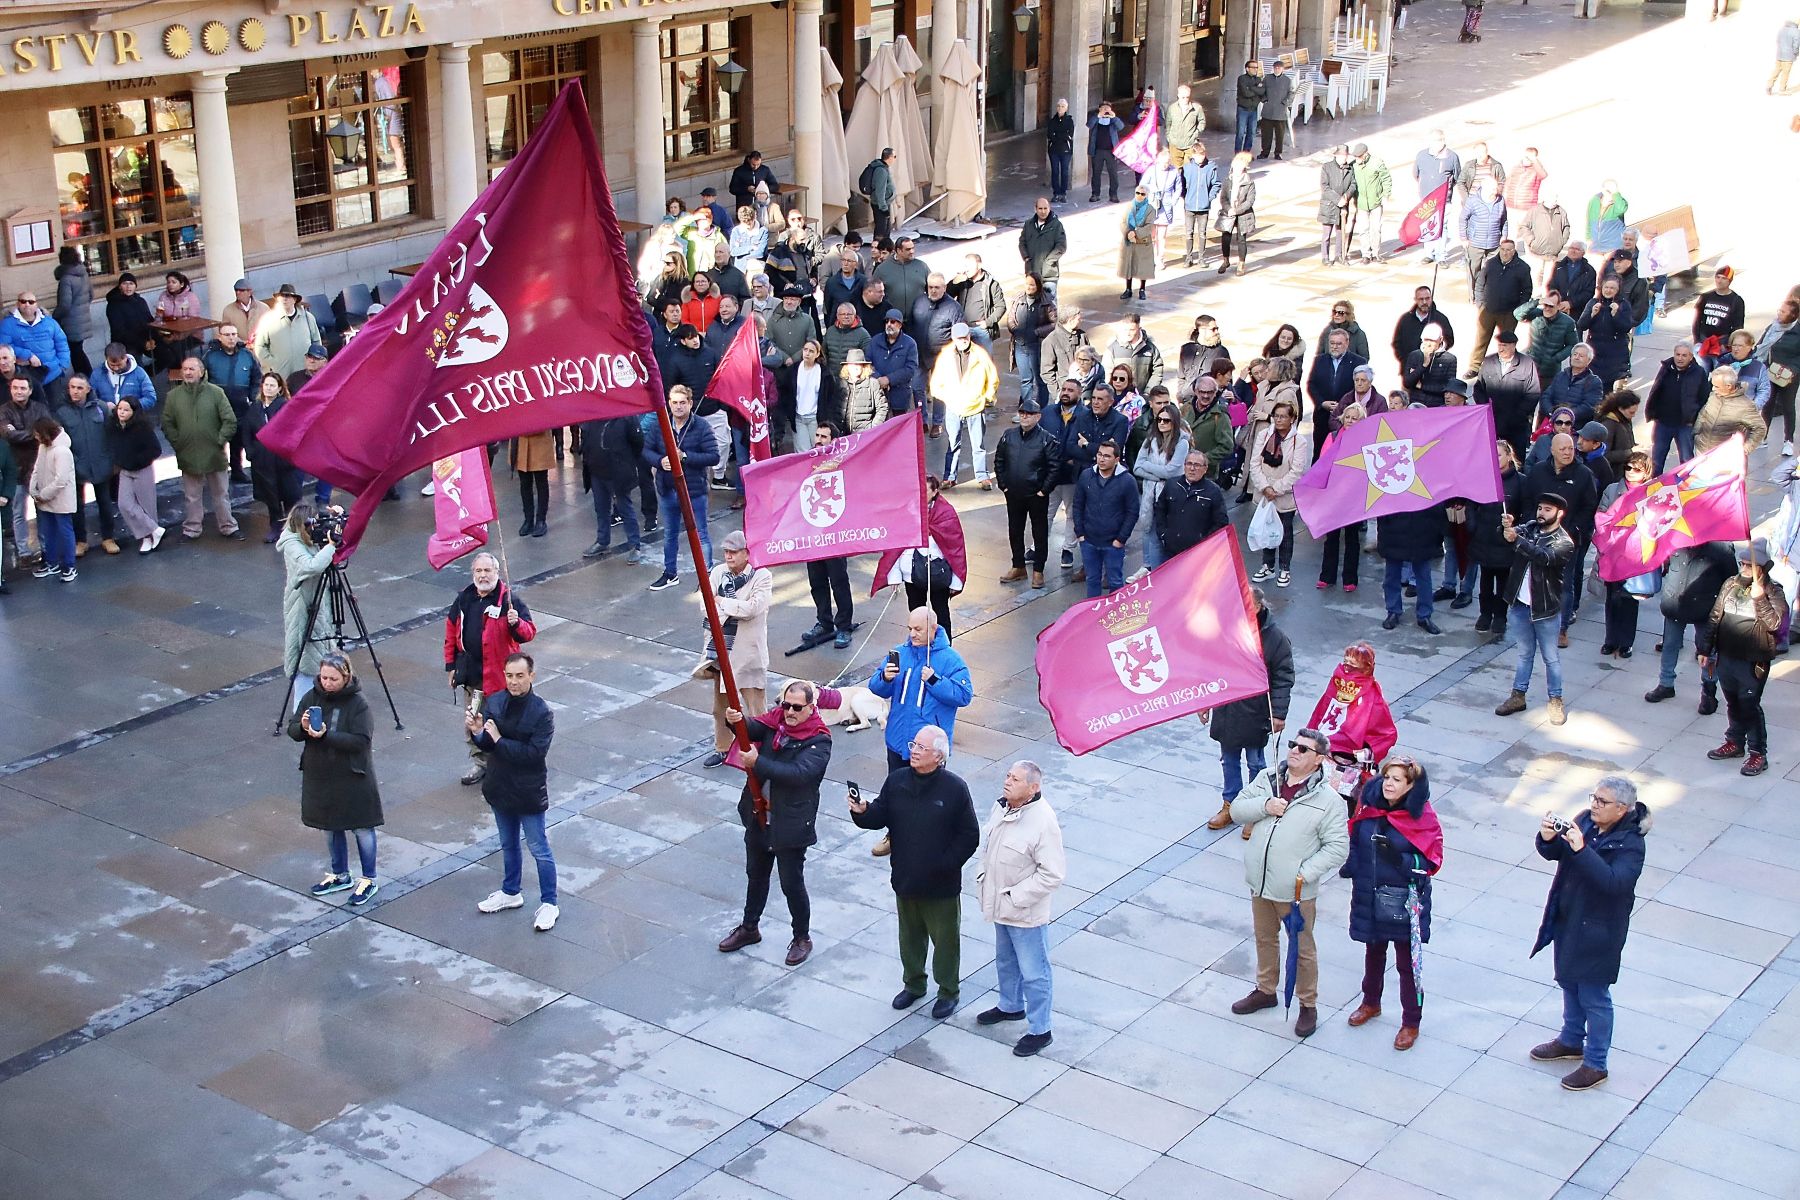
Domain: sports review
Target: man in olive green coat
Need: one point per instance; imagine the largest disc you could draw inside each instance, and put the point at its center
(198, 421)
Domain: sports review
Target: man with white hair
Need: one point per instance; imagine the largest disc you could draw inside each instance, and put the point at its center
(930, 820)
(1429, 369)
(1022, 865)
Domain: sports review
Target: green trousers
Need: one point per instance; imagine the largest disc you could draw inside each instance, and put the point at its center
(938, 920)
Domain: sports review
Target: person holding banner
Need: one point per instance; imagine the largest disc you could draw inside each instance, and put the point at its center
(486, 624)
(1621, 600)
(829, 581)
(936, 571)
(699, 452)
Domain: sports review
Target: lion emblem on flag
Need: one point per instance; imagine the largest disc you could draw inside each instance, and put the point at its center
(1658, 513)
(1139, 662)
(822, 499)
(1390, 465)
(472, 334)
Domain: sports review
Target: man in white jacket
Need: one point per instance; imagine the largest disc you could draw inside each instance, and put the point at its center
(1022, 865)
(1297, 838)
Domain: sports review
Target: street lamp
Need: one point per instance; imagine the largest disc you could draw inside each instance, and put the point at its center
(345, 141)
(1022, 17)
(731, 76)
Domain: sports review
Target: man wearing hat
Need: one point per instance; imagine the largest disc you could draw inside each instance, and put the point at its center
(1456, 393)
(1337, 192)
(1501, 288)
(1374, 186)
(1568, 476)
(1025, 463)
(1533, 594)
(1739, 637)
(243, 310)
(285, 332)
(1509, 384)
(894, 357)
(709, 200)
(965, 382)
(743, 594)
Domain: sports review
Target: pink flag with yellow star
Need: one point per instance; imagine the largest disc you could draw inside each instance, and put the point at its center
(1401, 462)
(1702, 500)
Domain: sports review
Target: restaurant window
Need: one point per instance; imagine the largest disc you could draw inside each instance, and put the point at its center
(351, 142)
(517, 87)
(703, 115)
(128, 182)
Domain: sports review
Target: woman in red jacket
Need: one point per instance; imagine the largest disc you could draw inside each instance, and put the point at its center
(487, 621)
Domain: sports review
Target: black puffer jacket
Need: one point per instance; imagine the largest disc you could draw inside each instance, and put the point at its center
(1692, 579)
(1381, 856)
(1588, 912)
(790, 775)
(1027, 462)
(1244, 723)
(337, 772)
(1412, 537)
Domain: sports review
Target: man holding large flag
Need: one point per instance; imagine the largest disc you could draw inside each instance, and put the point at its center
(741, 384)
(1436, 169)
(475, 349)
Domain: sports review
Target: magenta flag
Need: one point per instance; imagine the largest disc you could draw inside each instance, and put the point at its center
(463, 505)
(525, 317)
(863, 492)
(740, 383)
(1702, 500)
(1399, 462)
(1182, 639)
(1138, 150)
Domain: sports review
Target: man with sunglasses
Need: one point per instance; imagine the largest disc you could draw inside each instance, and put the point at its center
(38, 340)
(1297, 838)
(790, 748)
(1598, 856)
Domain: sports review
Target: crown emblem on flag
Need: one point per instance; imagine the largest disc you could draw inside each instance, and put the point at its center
(1127, 618)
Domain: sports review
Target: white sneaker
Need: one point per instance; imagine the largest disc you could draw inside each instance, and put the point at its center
(430, 489)
(1787, 449)
(156, 536)
(500, 902)
(545, 919)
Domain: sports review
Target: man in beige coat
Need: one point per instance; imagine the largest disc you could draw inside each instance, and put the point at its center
(1022, 865)
(1297, 838)
(744, 593)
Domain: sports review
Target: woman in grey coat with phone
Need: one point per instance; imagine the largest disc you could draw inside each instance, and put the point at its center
(338, 793)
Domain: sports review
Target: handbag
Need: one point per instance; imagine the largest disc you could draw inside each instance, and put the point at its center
(932, 574)
(1780, 374)
(1390, 904)
(1238, 413)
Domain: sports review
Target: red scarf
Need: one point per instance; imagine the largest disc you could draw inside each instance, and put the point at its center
(1421, 828)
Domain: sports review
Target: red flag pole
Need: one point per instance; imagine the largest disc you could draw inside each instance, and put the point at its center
(759, 802)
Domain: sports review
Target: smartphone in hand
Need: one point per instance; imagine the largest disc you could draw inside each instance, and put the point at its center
(855, 793)
(315, 717)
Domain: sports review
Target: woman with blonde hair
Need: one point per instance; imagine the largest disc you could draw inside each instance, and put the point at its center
(1396, 846)
(1235, 212)
(749, 242)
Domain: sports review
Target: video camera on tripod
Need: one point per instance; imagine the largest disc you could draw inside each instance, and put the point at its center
(327, 525)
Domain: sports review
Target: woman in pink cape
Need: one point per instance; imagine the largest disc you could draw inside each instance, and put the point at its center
(1353, 715)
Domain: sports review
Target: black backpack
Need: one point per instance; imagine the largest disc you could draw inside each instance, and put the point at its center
(865, 183)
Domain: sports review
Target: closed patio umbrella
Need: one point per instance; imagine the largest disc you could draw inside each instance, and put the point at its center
(912, 116)
(957, 167)
(877, 120)
(836, 176)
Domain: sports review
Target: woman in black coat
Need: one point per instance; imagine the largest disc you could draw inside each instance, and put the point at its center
(1608, 323)
(128, 318)
(789, 752)
(274, 481)
(1488, 546)
(1396, 846)
(338, 793)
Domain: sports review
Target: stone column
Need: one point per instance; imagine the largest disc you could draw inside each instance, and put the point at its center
(1163, 68)
(1314, 30)
(220, 224)
(809, 107)
(456, 126)
(1069, 74)
(1240, 48)
(647, 119)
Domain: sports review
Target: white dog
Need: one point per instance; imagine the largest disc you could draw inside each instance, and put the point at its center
(861, 709)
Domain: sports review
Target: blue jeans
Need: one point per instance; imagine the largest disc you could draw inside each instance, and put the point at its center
(1458, 573)
(1674, 635)
(56, 533)
(1104, 564)
(1534, 638)
(1572, 580)
(340, 851)
(1392, 585)
(1588, 1021)
(1253, 759)
(1060, 166)
(1246, 130)
(740, 449)
(531, 825)
(608, 501)
(1029, 356)
(974, 430)
(674, 533)
(1022, 960)
(1681, 436)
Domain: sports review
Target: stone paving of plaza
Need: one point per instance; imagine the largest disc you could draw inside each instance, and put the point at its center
(178, 1018)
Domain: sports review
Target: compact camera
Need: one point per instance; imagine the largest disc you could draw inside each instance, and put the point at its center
(1561, 824)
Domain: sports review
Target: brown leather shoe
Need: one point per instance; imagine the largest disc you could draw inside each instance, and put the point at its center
(1308, 1024)
(1552, 1050)
(1037, 580)
(799, 948)
(1562, 640)
(1406, 1037)
(1080, 575)
(1220, 819)
(1246, 833)
(1013, 576)
(1256, 1001)
(737, 939)
(108, 545)
(882, 848)
(1365, 1013)
(1582, 1078)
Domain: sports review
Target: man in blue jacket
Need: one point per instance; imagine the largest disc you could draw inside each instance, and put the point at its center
(894, 359)
(699, 453)
(38, 340)
(924, 680)
(1106, 508)
(121, 378)
(230, 364)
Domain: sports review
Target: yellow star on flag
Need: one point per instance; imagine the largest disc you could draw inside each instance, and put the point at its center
(1377, 466)
(1647, 540)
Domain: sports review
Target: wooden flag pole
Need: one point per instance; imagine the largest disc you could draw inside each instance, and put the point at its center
(759, 801)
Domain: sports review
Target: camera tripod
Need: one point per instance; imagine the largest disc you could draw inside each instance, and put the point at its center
(334, 586)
